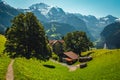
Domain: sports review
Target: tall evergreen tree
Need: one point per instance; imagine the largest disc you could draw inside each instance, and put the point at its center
(77, 42)
(26, 37)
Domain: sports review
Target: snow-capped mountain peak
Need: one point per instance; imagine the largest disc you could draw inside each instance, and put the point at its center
(42, 7)
(56, 10)
(105, 19)
(46, 10)
(39, 6)
(109, 16)
(108, 19)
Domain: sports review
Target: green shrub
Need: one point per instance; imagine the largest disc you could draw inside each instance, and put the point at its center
(55, 57)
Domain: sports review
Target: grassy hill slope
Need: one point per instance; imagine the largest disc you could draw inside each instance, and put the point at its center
(35, 70)
(104, 66)
(2, 42)
(4, 60)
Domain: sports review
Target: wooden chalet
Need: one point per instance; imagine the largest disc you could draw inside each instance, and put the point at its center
(53, 42)
(57, 47)
(70, 57)
(67, 57)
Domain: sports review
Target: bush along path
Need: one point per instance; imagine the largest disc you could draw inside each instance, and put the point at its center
(10, 72)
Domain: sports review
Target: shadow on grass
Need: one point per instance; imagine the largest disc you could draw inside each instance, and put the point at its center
(49, 66)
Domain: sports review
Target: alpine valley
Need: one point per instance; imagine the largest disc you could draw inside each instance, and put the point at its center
(44, 42)
(56, 21)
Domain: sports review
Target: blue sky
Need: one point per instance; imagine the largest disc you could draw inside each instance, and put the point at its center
(99, 8)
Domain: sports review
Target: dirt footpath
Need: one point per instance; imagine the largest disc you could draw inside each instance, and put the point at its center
(10, 72)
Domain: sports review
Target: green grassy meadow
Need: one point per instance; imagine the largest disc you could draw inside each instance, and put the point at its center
(4, 60)
(104, 66)
(2, 42)
(35, 70)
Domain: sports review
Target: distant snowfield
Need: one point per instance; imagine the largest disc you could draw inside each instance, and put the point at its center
(117, 20)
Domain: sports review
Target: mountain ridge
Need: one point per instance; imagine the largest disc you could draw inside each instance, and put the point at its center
(6, 14)
(45, 13)
(56, 14)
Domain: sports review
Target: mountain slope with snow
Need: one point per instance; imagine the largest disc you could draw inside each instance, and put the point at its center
(48, 14)
(6, 15)
(96, 25)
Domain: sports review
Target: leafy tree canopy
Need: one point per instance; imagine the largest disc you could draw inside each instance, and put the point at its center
(26, 37)
(77, 42)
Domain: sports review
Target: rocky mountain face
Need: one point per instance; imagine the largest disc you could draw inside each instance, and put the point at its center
(55, 30)
(111, 35)
(49, 14)
(96, 25)
(6, 14)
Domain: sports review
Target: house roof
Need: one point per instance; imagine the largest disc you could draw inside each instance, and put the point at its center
(71, 55)
(52, 42)
(67, 59)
